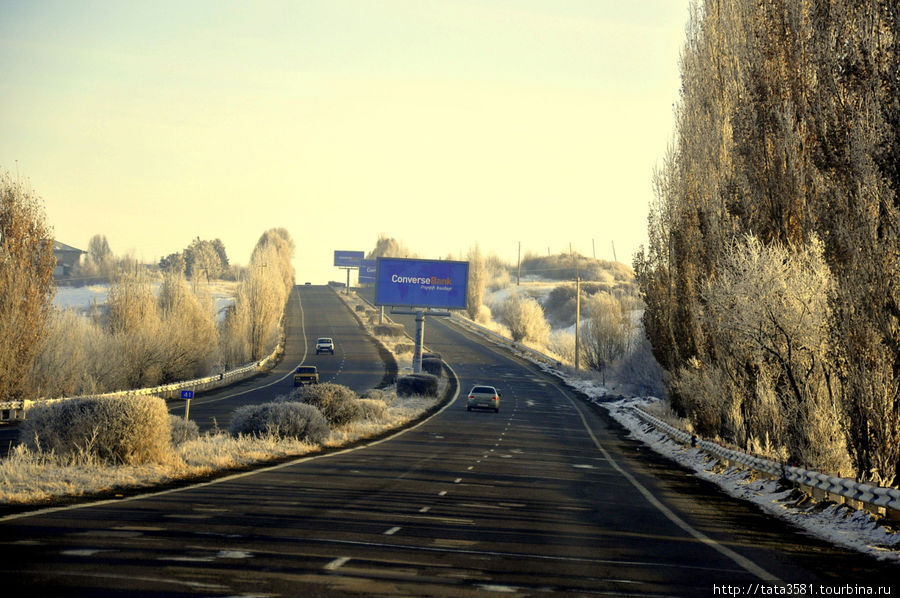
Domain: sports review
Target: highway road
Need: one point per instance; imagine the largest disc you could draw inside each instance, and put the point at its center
(311, 312)
(547, 497)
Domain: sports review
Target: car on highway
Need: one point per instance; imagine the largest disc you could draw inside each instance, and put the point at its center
(306, 374)
(483, 397)
(324, 345)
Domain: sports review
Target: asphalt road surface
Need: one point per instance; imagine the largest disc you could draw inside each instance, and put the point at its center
(311, 312)
(547, 497)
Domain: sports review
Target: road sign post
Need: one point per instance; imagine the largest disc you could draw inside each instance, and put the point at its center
(187, 395)
(349, 260)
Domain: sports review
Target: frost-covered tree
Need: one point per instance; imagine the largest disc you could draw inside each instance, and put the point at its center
(191, 336)
(769, 311)
(26, 283)
(136, 327)
(388, 247)
(477, 282)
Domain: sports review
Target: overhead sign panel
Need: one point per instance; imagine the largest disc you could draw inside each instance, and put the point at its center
(421, 283)
(367, 271)
(348, 259)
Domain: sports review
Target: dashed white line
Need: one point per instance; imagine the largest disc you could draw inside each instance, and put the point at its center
(336, 563)
(392, 531)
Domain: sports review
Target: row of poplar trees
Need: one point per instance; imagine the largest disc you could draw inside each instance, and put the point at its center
(772, 271)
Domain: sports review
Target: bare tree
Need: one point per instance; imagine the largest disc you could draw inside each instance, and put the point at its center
(26, 283)
(101, 255)
(608, 334)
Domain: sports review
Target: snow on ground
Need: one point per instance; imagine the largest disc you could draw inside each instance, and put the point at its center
(838, 524)
(82, 298)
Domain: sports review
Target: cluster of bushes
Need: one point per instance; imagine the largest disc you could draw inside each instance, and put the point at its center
(569, 266)
(139, 430)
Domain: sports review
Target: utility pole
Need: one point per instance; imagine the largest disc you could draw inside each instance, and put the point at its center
(615, 259)
(577, 320)
(577, 311)
(519, 266)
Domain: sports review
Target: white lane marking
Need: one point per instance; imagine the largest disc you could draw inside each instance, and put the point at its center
(424, 509)
(83, 552)
(392, 531)
(470, 467)
(457, 480)
(336, 563)
(442, 493)
(738, 559)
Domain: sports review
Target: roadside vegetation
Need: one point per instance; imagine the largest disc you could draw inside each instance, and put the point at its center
(772, 274)
(100, 446)
(91, 446)
(159, 324)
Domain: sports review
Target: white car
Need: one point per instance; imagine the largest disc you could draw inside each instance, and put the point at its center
(324, 345)
(486, 397)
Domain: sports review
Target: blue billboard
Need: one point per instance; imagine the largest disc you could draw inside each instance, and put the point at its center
(367, 270)
(421, 283)
(348, 259)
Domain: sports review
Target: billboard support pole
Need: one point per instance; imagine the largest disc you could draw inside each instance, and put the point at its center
(420, 340)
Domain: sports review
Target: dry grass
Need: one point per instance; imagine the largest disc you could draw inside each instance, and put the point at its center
(30, 476)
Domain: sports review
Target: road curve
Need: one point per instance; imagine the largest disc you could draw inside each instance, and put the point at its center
(311, 312)
(545, 497)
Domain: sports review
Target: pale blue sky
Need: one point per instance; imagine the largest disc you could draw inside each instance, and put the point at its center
(442, 123)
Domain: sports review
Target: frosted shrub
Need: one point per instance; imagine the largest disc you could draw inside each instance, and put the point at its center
(389, 330)
(339, 404)
(288, 419)
(372, 409)
(433, 366)
(117, 430)
(562, 343)
(183, 430)
(378, 394)
(424, 385)
(524, 318)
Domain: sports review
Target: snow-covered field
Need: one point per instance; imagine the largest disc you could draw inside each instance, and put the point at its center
(81, 299)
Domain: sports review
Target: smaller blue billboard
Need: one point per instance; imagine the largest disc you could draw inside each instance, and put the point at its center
(367, 271)
(348, 259)
(421, 283)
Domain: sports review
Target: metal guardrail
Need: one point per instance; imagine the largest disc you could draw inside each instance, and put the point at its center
(873, 497)
(16, 410)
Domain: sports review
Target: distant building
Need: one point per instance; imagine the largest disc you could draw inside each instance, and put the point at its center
(66, 259)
